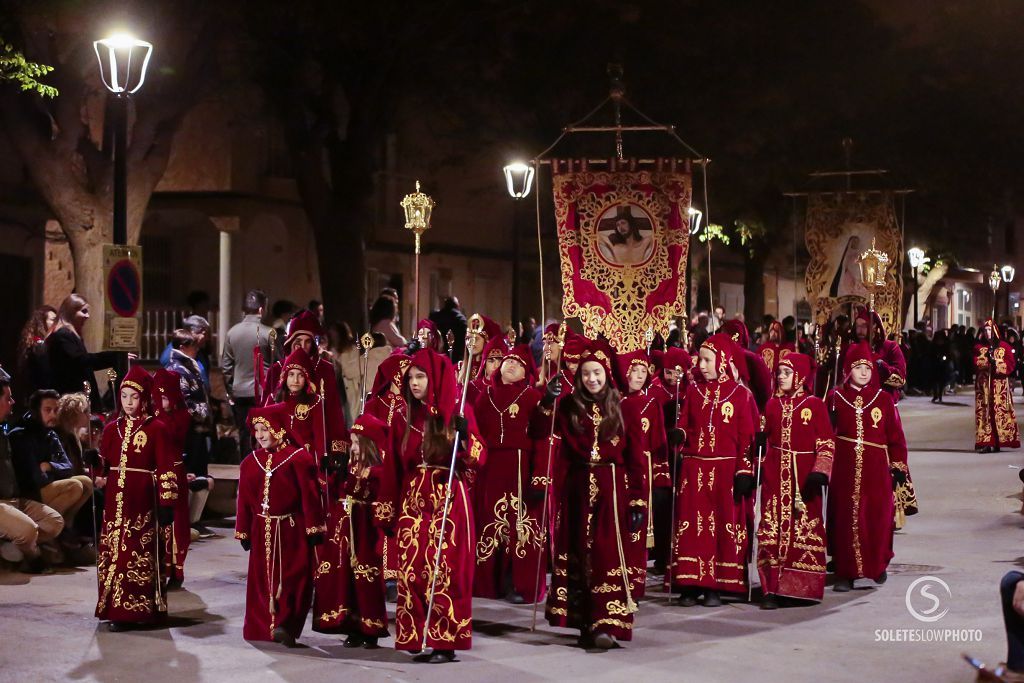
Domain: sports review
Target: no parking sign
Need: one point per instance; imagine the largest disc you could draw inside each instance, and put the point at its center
(122, 295)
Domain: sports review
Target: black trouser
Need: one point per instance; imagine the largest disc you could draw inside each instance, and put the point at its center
(662, 501)
(240, 409)
(1013, 621)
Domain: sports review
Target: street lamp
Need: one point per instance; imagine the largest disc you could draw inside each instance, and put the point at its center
(123, 61)
(917, 259)
(1008, 272)
(994, 279)
(518, 182)
(694, 215)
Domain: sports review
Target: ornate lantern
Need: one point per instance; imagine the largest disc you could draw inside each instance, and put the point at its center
(873, 265)
(518, 179)
(994, 279)
(418, 208)
(123, 61)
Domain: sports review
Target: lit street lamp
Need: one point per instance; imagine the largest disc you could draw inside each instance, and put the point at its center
(994, 280)
(917, 259)
(1008, 272)
(123, 61)
(519, 182)
(694, 215)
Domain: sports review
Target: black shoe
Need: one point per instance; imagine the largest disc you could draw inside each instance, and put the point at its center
(830, 567)
(687, 600)
(391, 591)
(603, 641)
(354, 640)
(280, 635)
(173, 583)
(770, 602)
(843, 586)
(882, 578)
(712, 599)
(985, 450)
(441, 657)
(995, 449)
(516, 598)
(585, 640)
(204, 532)
(659, 569)
(370, 643)
(118, 626)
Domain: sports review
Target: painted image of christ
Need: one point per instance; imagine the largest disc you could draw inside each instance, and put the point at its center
(846, 280)
(623, 237)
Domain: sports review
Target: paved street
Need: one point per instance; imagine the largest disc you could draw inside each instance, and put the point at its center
(968, 534)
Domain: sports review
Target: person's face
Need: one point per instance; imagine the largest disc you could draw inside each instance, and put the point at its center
(264, 437)
(594, 377)
(165, 402)
(986, 333)
(51, 318)
(861, 329)
(354, 449)
(669, 376)
(81, 317)
(319, 311)
(131, 402)
(707, 364)
(295, 381)
(418, 383)
(861, 374)
(552, 349)
(6, 403)
(622, 227)
(512, 371)
(572, 366)
(477, 344)
(304, 342)
(784, 377)
(637, 377)
(719, 312)
(490, 365)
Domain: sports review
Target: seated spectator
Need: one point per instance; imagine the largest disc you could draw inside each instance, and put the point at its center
(1011, 590)
(197, 441)
(38, 448)
(24, 521)
(73, 429)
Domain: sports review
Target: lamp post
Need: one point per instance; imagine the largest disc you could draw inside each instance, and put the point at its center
(873, 264)
(518, 182)
(694, 216)
(123, 61)
(917, 259)
(418, 209)
(994, 280)
(1008, 272)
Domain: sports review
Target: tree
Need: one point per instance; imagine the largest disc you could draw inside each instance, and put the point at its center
(15, 68)
(68, 163)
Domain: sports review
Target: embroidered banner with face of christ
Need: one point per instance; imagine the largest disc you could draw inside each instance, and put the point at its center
(623, 238)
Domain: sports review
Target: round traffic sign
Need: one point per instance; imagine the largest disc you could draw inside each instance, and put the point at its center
(124, 288)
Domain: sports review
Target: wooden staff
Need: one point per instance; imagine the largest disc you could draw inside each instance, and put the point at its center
(474, 329)
(560, 339)
(675, 487)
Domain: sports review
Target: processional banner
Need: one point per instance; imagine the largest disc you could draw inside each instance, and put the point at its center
(839, 228)
(623, 237)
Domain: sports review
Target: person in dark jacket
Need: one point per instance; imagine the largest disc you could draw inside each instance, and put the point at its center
(46, 472)
(70, 362)
(200, 329)
(449, 318)
(24, 521)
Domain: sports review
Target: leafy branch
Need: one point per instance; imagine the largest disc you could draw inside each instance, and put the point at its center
(15, 68)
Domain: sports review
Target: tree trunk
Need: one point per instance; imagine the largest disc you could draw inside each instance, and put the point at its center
(87, 254)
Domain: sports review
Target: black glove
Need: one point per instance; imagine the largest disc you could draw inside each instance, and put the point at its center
(460, 424)
(165, 516)
(552, 390)
(899, 478)
(676, 437)
(91, 457)
(315, 539)
(636, 520)
(246, 544)
(1020, 475)
(198, 484)
(662, 497)
(412, 347)
(742, 485)
(816, 481)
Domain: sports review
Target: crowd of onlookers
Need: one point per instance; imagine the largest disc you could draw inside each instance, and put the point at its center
(938, 362)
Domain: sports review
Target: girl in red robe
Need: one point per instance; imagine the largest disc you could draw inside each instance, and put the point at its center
(870, 462)
(493, 353)
(279, 522)
(715, 479)
(801, 446)
(353, 554)
(600, 463)
(170, 410)
(994, 418)
(421, 456)
(142, 490)
(635, 373)
(508, 492)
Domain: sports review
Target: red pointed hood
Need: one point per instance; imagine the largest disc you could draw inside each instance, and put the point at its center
(442, 386)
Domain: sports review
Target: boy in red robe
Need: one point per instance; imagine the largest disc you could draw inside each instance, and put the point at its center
(801, 446)
(507, 493)
(170, 411)
(870, 462)
(994, 418)
(279, 522)
(142, 489)
(715, 479)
